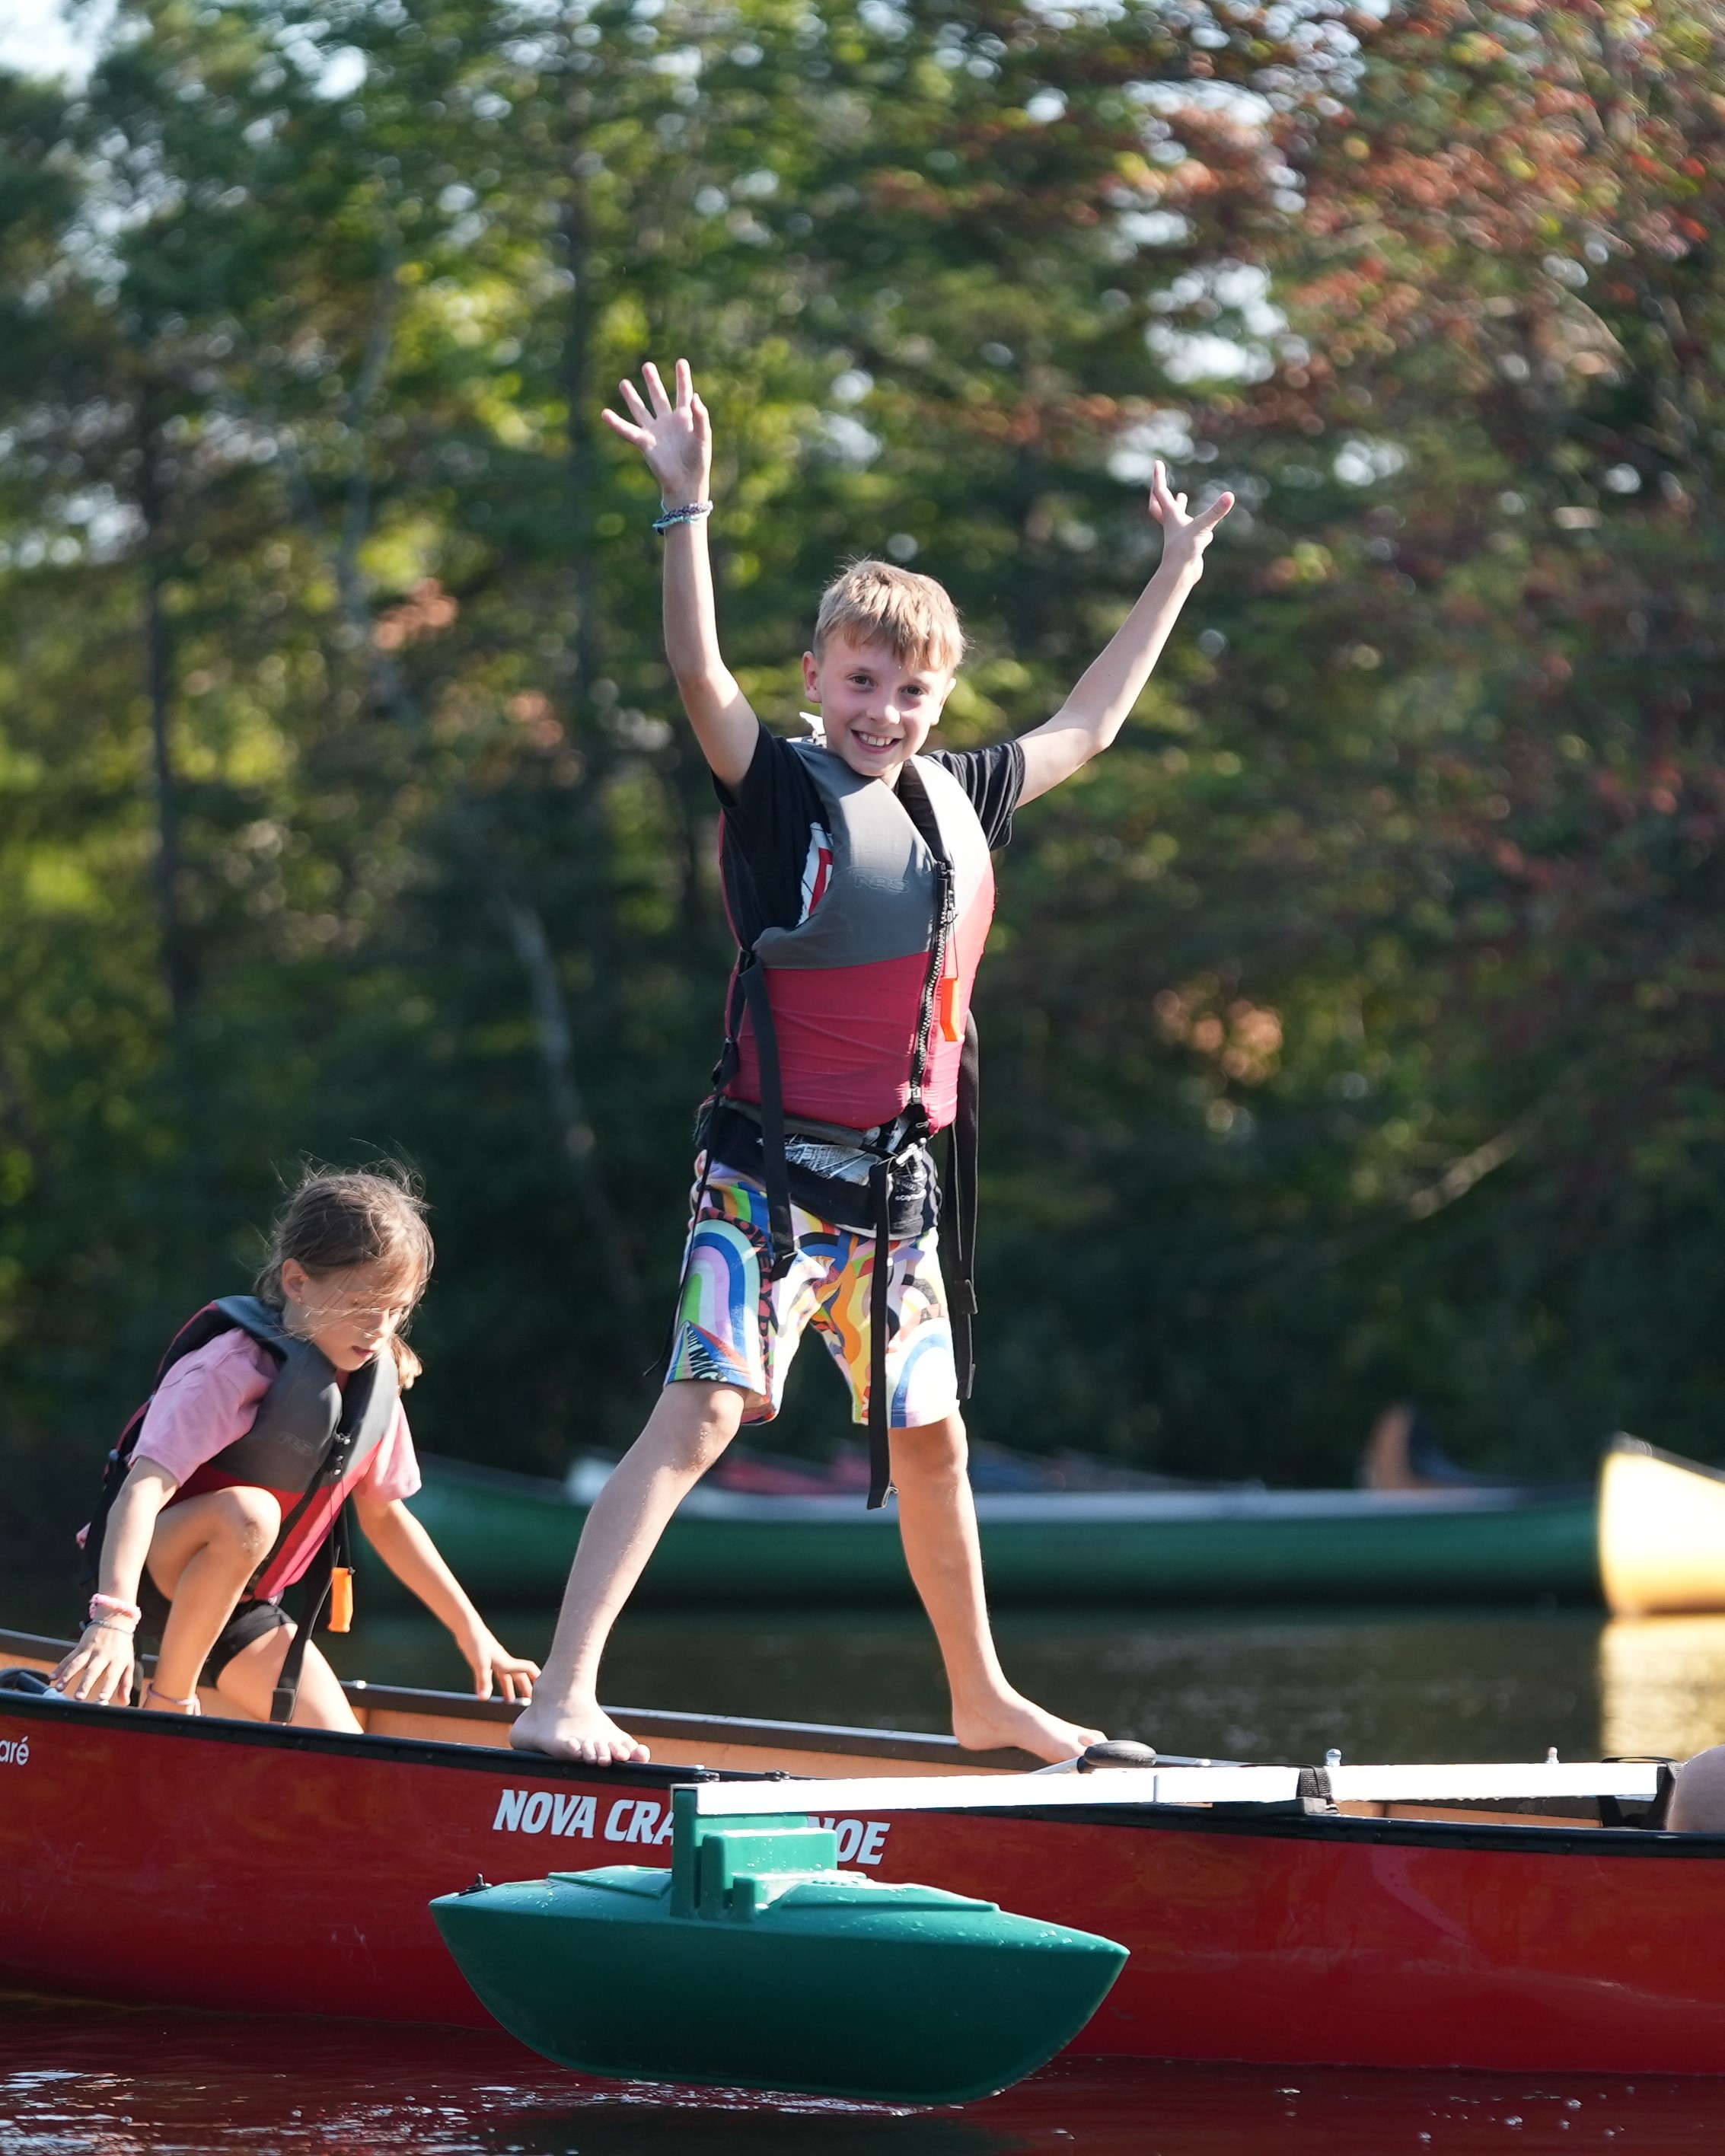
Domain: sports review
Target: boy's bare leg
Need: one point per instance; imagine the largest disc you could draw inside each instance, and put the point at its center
(688, 1430)
(202, 1556)
(937, 1519)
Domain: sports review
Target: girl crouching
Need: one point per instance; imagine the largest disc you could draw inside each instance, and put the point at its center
(270, 1412)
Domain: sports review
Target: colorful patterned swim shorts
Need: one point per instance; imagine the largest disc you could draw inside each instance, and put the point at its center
(736, 1327)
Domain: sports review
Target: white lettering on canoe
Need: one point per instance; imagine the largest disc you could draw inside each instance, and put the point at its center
(860, 1841)
(531, 1811)
(574, 1816)
(630, 1819)
(15, 1751)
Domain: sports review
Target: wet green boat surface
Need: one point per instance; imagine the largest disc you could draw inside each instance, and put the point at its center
(513, 1535)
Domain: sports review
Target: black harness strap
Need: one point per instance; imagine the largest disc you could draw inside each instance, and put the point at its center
(879, 1281)
(318, 1581)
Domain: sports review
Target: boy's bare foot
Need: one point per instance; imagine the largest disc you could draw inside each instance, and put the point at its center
(584, 1732)
(1013, 1720)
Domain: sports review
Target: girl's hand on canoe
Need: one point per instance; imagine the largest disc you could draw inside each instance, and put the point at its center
(492, 1663)
(99, 1668)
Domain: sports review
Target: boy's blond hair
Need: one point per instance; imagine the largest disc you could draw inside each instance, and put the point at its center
(878, 603)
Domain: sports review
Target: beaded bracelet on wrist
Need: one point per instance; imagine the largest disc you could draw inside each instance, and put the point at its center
(691, 513)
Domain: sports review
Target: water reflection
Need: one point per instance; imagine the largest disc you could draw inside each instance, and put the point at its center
(125, 2083)
(1272, 1685)
(1260, 1684)
(1662, 1685)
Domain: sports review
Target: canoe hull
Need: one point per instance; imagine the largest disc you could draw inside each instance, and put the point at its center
(280, 1872)
(507, 1535)
(1662, 1533)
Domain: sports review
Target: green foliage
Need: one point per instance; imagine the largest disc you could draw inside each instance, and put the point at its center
(1349, 1024)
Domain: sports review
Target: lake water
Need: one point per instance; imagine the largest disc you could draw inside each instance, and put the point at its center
(98, 2083)
(1411, 1685)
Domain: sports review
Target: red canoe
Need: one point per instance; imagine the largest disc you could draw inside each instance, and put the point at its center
(216, 1863)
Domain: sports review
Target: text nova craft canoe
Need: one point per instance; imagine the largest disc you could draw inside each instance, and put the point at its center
(507, 1534)
(1526, 1919)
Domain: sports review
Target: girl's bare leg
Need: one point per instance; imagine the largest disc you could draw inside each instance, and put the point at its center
(688, 1430)
(937, 1519)
(203, 1554)
(249, 1680)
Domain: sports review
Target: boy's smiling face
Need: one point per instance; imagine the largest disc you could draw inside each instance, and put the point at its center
(878, 712)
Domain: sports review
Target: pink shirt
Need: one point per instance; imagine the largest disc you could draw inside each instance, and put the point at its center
(209, 1398)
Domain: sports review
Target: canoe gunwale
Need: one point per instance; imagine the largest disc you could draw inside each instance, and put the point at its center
(667, 1722)
(360, 1745)
(1260, 1821)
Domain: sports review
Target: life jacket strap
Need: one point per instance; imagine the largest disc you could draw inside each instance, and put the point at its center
(319, 1579)
(879, 1282)
(962, 1161)
(775, 1173)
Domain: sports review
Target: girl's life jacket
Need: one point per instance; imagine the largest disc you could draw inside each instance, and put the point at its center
(310, 1443)
(857, 1022)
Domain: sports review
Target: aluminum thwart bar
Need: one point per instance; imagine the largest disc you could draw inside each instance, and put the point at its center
(994, 1793)
(1635, 1782)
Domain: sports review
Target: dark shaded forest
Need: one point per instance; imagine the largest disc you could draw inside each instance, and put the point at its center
(1353, 1028)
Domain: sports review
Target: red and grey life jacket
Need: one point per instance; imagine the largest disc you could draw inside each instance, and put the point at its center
(311, 1442)
(858, 1020)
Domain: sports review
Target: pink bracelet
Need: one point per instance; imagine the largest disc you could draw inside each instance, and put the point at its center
(114, 1607)
(191, 1706)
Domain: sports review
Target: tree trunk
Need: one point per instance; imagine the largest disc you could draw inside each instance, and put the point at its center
(574, 1127)
(178, 957)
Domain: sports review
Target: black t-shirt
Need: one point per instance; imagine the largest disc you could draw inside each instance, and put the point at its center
(775, 835)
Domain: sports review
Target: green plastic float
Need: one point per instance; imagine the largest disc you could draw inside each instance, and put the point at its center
(754, 1962)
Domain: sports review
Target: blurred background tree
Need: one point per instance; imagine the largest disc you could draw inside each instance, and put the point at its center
(1351, 1024)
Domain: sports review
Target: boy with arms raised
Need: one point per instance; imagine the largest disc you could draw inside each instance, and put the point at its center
(858, 881)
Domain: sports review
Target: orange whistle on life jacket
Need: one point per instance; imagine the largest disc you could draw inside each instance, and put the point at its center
(342, 1599)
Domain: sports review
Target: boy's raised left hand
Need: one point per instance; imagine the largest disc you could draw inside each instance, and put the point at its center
(1184, 536)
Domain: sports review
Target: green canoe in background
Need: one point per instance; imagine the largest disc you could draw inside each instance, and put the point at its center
(510, 1535)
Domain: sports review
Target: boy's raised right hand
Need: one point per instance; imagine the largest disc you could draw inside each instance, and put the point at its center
(675, 436)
